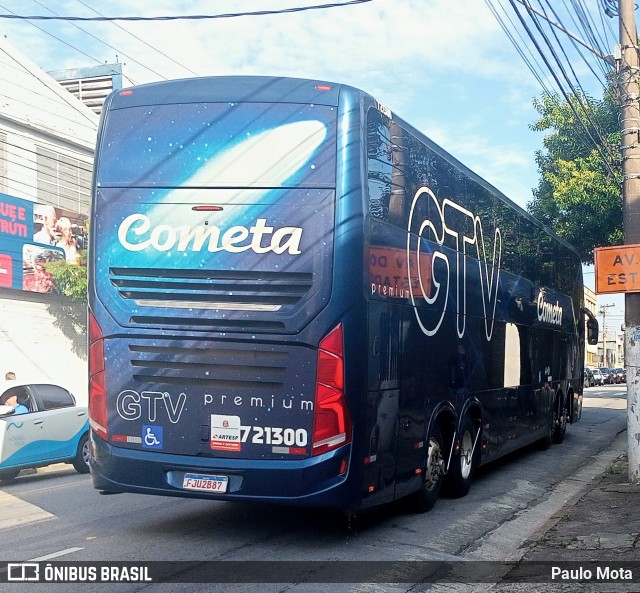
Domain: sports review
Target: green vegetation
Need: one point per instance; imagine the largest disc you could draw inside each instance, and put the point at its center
(579, 193)
(70, 279)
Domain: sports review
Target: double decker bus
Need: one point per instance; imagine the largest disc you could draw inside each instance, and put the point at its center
(296, 297)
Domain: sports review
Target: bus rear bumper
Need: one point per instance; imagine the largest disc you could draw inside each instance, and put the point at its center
(316, 481)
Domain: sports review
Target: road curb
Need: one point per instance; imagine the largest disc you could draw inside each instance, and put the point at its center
(617, 448)
(529, 525)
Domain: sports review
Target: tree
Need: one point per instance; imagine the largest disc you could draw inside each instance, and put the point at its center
(70, 279)
(579, 194)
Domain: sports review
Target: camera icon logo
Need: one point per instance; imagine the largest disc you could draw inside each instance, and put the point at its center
(23, 572)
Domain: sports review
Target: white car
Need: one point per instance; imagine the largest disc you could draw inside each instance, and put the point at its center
(54, 430)
(598, 379)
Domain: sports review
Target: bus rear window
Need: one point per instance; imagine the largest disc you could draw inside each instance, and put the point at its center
(219, 145)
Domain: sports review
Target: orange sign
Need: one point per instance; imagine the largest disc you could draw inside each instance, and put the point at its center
(617, 269)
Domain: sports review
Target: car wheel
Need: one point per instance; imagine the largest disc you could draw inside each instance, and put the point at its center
(8, 475)
(81, 461)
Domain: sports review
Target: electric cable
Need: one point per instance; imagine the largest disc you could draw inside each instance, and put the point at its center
(57, 38)
(604, 68)
(142, 41)
(105, 43)
(562, 90)
(535, 69)
(189, 17)
(578, 95)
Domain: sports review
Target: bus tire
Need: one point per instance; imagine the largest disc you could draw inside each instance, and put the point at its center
(545, 442)
(433, 475)
(560, 414)
(463, 464)
(81, 460)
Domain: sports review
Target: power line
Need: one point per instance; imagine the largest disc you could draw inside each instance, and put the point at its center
(578, 95)
(530, 9)
(188, 17)
(42, 82)
(602, 63)
(141, 41)
(532, 64)
(560, 86)
(610, 8)
(586, 109)
(56, 38)
(103, 42)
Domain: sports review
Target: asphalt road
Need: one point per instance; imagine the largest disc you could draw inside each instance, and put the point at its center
(55, 515)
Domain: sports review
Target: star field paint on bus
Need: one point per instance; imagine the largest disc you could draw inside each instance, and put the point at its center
(282, 281)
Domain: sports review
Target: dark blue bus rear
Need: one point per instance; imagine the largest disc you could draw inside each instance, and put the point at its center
(224, 290)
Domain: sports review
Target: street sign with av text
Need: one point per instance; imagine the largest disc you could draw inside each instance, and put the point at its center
(617, 269)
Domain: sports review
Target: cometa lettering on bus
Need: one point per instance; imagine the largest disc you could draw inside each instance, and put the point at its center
(164, 237)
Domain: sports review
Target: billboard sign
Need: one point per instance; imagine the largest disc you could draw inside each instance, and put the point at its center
(29, 238)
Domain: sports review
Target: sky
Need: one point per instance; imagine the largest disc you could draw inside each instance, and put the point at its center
(445, 66)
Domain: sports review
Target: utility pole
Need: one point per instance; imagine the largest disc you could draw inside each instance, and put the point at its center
(630, 131)
(603, 312)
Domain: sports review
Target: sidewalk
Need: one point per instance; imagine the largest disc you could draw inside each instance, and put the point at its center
(601, 525)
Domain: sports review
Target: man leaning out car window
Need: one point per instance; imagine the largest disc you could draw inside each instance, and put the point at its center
(11, 399)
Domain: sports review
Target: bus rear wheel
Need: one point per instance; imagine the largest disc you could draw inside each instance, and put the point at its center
(560, 416)
(433, 474)
(463, 466)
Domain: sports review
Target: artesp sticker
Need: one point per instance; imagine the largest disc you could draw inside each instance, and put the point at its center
(225, 433)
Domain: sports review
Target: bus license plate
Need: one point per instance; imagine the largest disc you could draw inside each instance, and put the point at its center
(205, 483)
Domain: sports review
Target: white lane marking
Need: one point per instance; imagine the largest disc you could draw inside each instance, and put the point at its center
(48, 557)
(15, 512)
(55, 554)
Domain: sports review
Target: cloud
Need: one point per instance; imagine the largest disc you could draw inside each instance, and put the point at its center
(412, 37)
(445, 66)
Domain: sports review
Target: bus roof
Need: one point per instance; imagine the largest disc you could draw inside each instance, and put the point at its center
(268, 89)
(262, 89)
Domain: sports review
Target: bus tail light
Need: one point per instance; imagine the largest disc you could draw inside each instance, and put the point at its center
(97, 383)
(331, 422)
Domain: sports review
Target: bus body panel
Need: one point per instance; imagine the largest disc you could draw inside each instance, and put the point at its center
(228, 249)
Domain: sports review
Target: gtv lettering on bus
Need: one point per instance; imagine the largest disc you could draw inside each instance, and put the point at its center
(450, 216)
(130, 405)
(137, 233)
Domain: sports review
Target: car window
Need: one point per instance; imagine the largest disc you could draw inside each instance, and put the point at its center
(54, 397)
(21, 392)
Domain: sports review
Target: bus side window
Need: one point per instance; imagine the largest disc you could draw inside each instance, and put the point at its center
(386, 158)
(379, 156)
(398, 198)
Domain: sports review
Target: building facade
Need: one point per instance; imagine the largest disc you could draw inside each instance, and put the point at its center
(591, 355)
(47, 143)
(92, 85)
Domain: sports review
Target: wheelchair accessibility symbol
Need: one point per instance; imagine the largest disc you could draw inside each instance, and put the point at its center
(151, 437)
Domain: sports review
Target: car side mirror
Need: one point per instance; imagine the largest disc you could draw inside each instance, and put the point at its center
(6, 411)
(592, 327)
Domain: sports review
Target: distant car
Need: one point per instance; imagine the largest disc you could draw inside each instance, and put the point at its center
(588, 377)
(619, 375)
(54, 430)
(607, 377)
(598, 379)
